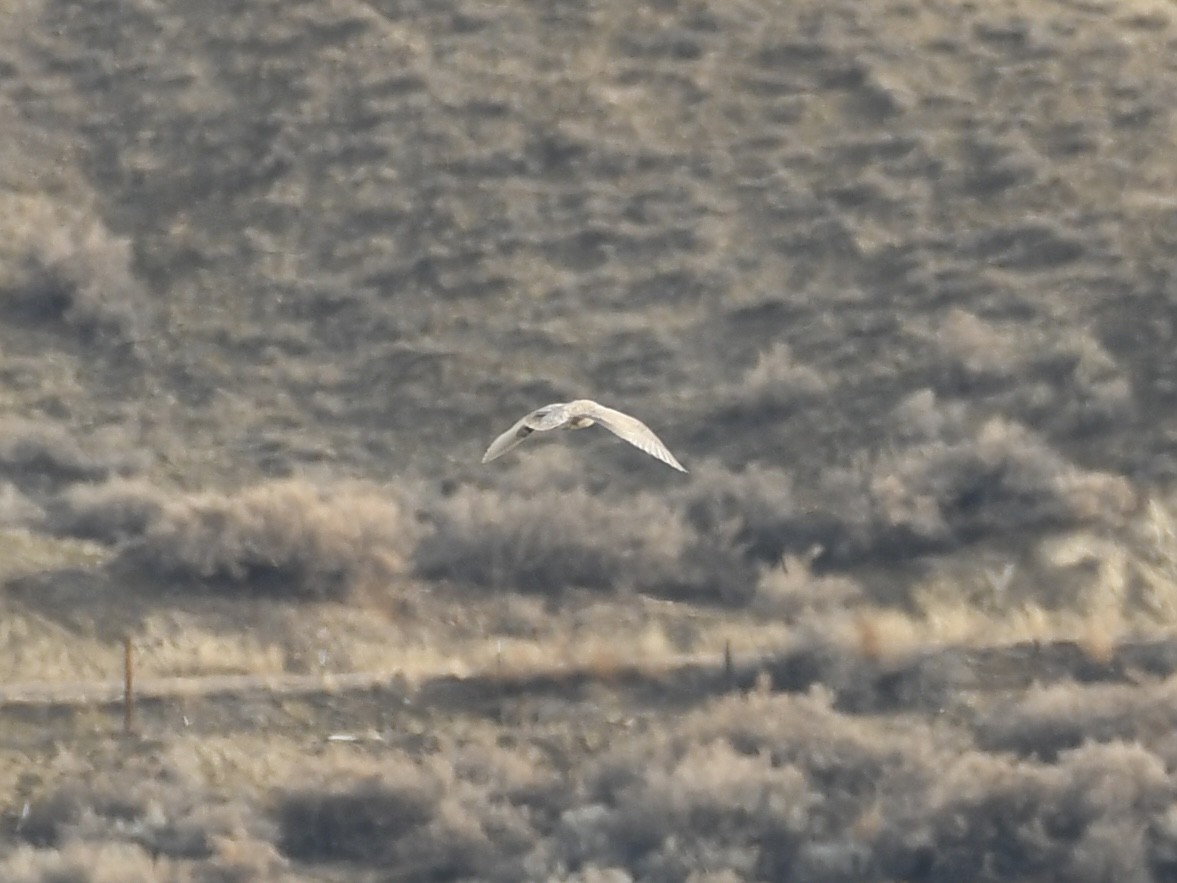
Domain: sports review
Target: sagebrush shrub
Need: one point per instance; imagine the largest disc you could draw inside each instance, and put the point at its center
(946, 479)
(110, 512)
(354, 821)
(286, 538)
(549, 540)
(60, 263)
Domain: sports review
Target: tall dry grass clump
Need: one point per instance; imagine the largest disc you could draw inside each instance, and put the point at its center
(287, 538)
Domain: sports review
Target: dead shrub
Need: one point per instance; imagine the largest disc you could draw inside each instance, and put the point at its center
(714, 568)
(791, 788)
(286, 538)
(546, 467)
(747, 785)
(1102, 393)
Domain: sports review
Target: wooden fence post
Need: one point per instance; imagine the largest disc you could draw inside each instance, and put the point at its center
(128, 686)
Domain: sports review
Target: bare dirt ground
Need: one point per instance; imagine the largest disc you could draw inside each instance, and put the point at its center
(895, 280)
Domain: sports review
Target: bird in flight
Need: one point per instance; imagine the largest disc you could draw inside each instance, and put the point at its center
(578, 415)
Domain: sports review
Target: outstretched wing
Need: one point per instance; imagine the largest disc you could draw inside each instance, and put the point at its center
(631, 429)
(508, 440)
(541, 419)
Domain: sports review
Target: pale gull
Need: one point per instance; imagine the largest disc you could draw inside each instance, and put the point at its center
(578, 415)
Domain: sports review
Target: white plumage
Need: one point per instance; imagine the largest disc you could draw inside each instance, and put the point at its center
(578, 415)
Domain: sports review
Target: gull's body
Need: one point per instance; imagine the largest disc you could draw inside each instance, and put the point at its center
(578, 415)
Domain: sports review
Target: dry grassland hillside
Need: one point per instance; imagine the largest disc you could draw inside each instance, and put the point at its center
(895, 279)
